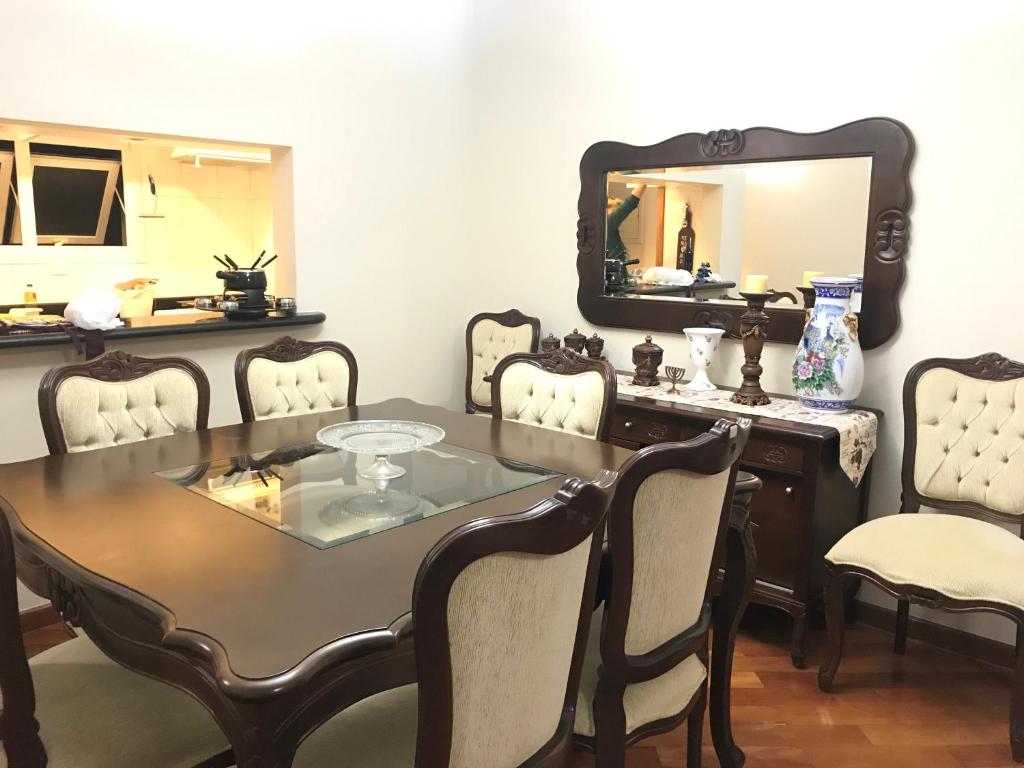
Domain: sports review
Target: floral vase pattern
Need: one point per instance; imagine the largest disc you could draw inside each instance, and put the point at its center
(828, 371)
(703, 345)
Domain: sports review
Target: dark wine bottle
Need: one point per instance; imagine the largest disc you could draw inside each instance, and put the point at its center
(684, 245)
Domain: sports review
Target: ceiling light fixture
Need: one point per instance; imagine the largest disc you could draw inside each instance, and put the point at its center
(221, 155)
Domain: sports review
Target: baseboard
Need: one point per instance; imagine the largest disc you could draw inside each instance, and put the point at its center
(939, 635)
(39, 617)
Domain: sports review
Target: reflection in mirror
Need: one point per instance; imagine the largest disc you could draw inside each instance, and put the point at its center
(703, 232)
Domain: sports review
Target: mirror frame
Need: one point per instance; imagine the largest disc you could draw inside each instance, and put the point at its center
(887, 142)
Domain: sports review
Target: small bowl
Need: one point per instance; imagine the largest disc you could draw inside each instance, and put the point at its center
(285, 302)
(228, 305)
(205, 302)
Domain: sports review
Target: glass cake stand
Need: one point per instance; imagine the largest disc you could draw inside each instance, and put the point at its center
(381, 439)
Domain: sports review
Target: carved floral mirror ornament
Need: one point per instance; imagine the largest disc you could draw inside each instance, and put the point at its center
(887, 147)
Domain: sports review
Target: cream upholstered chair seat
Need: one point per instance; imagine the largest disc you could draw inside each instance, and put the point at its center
(377, 732)
(289, 377)
(643, 702)
(93, 713)
(959, 557)
(963, 454)
(490, 338)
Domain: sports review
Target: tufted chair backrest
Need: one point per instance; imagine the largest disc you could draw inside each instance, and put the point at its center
(490, 337)
(965, 435)
(118, 398)
(668, 517)
(562, 391)
(501, 608)
(290, 378)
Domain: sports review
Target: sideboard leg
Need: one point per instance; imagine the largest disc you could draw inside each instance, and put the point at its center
(798, 642)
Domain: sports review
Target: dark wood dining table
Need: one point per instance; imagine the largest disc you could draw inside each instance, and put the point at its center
(271, 634)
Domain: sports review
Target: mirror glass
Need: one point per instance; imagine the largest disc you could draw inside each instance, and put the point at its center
(701, 232)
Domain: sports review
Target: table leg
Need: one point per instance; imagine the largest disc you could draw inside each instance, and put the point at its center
(740, 570)
(798, 640)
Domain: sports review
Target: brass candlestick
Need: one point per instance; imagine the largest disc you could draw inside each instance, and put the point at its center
(754, 331)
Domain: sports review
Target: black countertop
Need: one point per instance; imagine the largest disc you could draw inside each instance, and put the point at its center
(9, 340)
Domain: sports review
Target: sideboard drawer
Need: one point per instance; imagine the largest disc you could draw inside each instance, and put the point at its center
(764, 452)
(632, 425)
(637, 426)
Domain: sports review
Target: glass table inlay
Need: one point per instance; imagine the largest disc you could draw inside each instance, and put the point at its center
(314, 493)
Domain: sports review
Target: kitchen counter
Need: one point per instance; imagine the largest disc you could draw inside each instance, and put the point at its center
(9, 340)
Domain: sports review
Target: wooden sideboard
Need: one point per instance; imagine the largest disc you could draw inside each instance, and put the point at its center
(806, 505)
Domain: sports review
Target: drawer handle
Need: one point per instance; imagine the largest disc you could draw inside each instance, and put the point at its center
(629, 425)
(790, 490)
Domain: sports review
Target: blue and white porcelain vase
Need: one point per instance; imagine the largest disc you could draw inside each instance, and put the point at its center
(828, 371)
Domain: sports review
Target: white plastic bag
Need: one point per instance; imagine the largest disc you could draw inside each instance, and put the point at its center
(94, 311)
(667, 276)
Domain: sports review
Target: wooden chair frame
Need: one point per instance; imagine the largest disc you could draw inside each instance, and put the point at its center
(551, 527)
(114, 366)
(715, 451)
(987, 367)
(510, 318)
(563, 362)
(288, 350)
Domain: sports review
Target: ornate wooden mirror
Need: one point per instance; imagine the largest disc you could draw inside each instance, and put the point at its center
(761, 202)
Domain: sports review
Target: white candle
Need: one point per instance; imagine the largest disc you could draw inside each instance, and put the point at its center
(756, 284)
(809, 275)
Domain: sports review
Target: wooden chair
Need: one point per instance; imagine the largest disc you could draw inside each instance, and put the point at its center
(490, 336)
(963, 452)
(646, 665)
(118, 398)
(89, 711)
(289, 377)
(558, 390)
(501, 609)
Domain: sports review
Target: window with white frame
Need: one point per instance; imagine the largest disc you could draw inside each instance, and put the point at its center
(10, 220)
(78, 194)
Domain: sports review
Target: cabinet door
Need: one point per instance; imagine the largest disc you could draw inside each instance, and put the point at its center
(779, 532)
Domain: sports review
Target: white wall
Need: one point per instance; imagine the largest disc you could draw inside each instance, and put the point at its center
(552, 78)
(370, 100)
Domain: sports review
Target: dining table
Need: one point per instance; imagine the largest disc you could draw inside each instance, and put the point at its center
(254, 568)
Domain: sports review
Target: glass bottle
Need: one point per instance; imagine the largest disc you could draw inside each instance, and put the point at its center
(30, 295)
(684, 247)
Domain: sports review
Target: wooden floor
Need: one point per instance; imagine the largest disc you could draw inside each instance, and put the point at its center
(928, 709)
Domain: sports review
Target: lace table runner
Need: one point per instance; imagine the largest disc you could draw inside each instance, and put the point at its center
(858, 430)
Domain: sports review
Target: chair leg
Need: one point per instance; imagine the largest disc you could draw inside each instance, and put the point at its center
(1017, 701)
(834, 622)
(902, 619)
(609, 726)
(695, 729)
